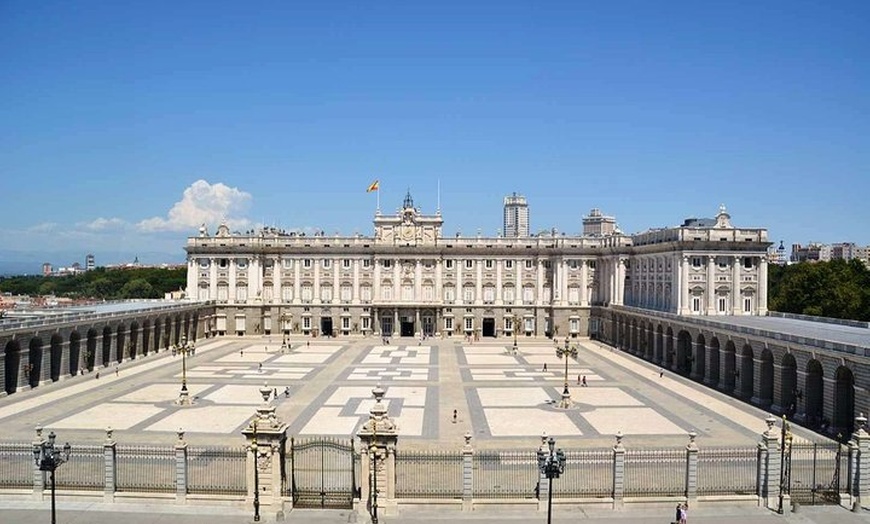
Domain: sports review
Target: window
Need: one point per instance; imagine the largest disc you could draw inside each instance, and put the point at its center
(508, 324)
(469, 264)
(387, 264)
(488, 295)
(306, 293)
(488, 264)
(367, 263)
(469, 323)
(345, 323)
(428, 293)
(747, 305)
(346, 293)
(242, 293)
(241, 263)
(306, 323)
(203, 262)
(508, 264)
(530, 264)
(696, 304)
(306, 263)
(508, 295)
(203, 293)
(387, 293)
(287, 294)
(448, 264)
(449, 294)
(407, 292)
(546, 264)
(528, 295)
(448, 324)
(696, 262)
(327, 263)
(747, 262)
(572, 264)
(223, 293)
(722, 304)
(723, 262)
(366, 323)
(326, 293)
(468, 294)
(288, 263)
(574, 325)
(591, 264)
(223, 263)
(345, 263)
(529, 324)
(365, 293)
(573, 295)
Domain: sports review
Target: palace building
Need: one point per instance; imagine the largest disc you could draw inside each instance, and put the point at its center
(410, 280)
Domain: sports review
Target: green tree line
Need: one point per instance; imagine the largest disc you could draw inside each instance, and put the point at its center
(836, 289)
(101, 283)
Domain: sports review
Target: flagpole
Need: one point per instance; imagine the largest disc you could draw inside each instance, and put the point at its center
(438, 209)
(378, 191)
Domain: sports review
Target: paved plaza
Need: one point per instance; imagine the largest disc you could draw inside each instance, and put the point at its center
(505, 400)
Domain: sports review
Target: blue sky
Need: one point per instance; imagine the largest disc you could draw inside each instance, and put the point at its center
(123, 126)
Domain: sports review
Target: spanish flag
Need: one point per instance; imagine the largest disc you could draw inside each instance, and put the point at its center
(374, 187)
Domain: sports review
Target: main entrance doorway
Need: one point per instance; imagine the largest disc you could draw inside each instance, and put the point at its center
(387, 326)
(488, 328)
(406, 327)
(428, 326)
(326, 326)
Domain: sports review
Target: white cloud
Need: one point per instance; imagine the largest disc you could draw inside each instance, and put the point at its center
(203, 203)
(45, 227)
(104, 224)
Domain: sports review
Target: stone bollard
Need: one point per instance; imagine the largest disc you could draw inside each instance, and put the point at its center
(859, 448)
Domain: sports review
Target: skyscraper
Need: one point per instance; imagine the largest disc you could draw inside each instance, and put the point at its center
(516, 216)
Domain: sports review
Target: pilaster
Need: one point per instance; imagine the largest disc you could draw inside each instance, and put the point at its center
(618, 473)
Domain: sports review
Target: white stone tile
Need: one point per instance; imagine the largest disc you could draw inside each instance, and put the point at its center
(603, 396)
(205, 419)
(161, 392)
(413, 396)
(344, 393)
(495, 359)
(529, 422)
(410, 422)
(520, 396)
(237, 394)
(115, 415)
(302, 358)
(631, 421)
(328, 422)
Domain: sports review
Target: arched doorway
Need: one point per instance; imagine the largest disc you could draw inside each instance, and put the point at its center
(765, 380)
(107, 346)
(788, 385)
(146, 337)
(844, 401)
(75, 341)
(747, 371)
(713, 373)
(684, 353)
(55, 353)
(11, 363)
(660, 344)
(91, 350)
(133, 343)
(699, 358)
(120, 344)
(669, 348)
(34, 362)
(815, 393)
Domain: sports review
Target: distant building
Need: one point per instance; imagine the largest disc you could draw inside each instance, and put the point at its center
(597, 225)
(46, 269)
(516, 216)
(814, 252)
(90, 262)
(777, 255)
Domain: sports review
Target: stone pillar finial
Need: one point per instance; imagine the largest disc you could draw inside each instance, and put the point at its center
(467, 438)
(619, 437)
(180, 433)
(110, 433)
(692, 436)
(39, 432)
(771, 422)
(861, 423)
(265, 392)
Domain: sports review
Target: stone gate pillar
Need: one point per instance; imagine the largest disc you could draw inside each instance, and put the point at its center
(266, 437)
(859, 450)
(378, 473)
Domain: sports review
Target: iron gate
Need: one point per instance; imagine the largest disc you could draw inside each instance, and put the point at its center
(321, 473)
(812, 472)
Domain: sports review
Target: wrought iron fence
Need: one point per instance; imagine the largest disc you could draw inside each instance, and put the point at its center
(505, 474)
(728, 471)
(588, 473)
(16, 465)
(655, 472)
(429, 474)
(217, 471)
(85, 471)
(816, 470)
(145, 469)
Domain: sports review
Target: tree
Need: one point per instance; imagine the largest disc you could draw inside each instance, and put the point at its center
(138, 288)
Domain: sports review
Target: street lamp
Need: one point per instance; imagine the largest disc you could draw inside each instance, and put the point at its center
(184, 347)
(566, 352)
(49, 458)
(516, 328)
(254, 451)
(551, 465)
(374, 486)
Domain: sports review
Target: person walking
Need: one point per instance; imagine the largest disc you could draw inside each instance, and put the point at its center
(584, 381)
(684, 513)
(678, 514)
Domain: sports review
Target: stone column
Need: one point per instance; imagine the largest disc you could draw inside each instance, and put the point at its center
(467, 473)
(708, 375)
(735, 285)
(859, 449)
(379, 437)
(297, 274)
(618, 473)
(757, 399)
(38, 474)
(418, 328)
(110, 464)
(395, 322)
(315, 292)
(692, 469)
(711, 285)
(684, 285)
(762, 285)
(584, 283)
(770, 465)
(180, 468)
(231, 291)
(376, 328)
(266, 437)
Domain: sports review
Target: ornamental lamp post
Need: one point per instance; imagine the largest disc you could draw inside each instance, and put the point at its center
(566, 352)
(48, 458)
(551, 464)
(516, 327)
(784, 463)
(184, 347)
(254, 451)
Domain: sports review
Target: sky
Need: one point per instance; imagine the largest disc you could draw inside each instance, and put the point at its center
(125, 125)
